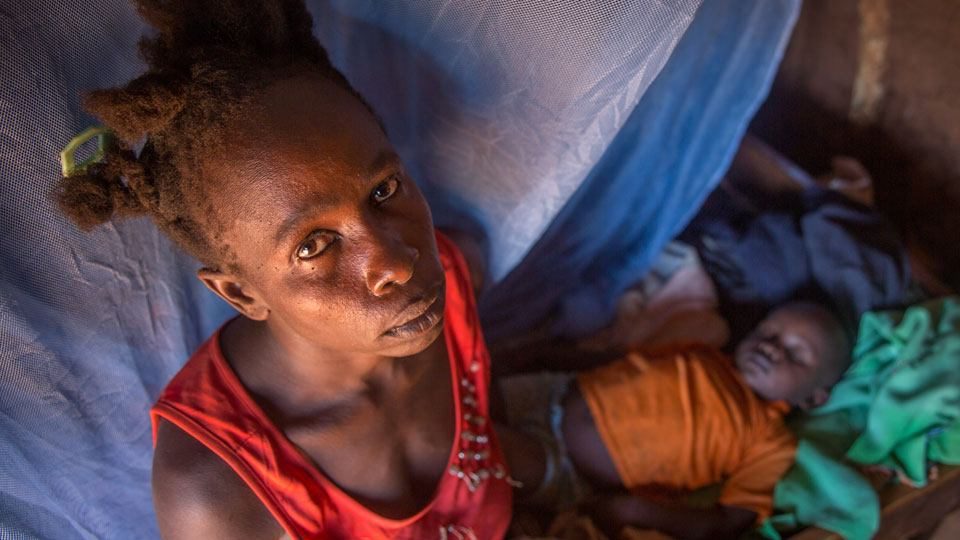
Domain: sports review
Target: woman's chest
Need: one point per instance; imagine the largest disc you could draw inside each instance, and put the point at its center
(389, 456)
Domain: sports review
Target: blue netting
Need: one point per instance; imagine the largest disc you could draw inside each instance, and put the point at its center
(500, 110)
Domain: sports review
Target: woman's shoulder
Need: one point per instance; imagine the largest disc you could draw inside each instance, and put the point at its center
(467, 252)
(197, 495)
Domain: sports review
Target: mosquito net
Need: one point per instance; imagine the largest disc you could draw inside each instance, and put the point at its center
(526, 120)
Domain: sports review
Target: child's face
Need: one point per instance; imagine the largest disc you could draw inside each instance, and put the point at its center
(334, 244)
(796, 354)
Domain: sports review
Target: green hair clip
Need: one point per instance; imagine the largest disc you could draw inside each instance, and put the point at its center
(105, 138)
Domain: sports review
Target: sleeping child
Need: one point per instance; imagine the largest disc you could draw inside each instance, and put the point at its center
(650, 426)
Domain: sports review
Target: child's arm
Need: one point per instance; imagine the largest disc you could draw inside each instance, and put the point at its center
(614, 512)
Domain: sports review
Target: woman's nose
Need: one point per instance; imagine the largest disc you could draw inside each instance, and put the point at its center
(390, 261)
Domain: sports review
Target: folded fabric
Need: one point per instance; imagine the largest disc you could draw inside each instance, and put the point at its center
(897, 406)
(825, 248)
(918, 403)
(676, 302)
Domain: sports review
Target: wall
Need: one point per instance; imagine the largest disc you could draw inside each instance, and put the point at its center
(880, 80)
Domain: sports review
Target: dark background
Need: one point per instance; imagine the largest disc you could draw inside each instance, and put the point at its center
(879, 80)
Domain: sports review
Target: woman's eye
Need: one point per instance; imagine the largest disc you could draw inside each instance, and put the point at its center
(315, 244)
(385, 189)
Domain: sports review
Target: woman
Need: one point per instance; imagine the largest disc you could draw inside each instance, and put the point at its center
(331, 407)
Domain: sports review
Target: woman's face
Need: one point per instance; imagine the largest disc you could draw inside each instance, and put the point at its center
(333, 242)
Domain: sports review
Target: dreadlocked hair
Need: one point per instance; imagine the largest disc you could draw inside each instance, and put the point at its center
(205, 61)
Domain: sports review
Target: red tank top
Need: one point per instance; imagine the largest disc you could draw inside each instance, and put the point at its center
(472, 501)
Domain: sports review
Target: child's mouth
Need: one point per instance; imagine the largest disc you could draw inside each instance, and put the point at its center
(760, 360)
(759, 363)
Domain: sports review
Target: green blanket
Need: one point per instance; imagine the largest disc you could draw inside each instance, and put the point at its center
(897, 406)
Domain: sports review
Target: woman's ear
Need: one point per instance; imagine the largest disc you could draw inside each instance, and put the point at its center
(816, 399)
(233, 291)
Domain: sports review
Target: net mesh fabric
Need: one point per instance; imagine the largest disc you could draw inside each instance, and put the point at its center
(90, 326)
(654, 174)
(500, 109)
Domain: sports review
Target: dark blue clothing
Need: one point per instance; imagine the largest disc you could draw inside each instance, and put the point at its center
(824, 248)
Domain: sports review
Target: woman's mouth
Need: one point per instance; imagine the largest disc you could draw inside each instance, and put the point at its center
(420, 317)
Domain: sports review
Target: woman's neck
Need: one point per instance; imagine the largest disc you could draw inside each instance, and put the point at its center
(297, 377)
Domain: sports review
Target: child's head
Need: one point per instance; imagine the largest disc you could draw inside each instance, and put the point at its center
(262, 161)
(796, 354)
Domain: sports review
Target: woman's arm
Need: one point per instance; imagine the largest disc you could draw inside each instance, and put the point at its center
(198, 496)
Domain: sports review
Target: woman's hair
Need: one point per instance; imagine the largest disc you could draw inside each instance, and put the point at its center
(205, 59)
